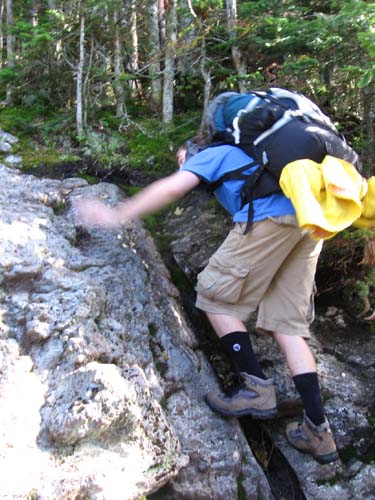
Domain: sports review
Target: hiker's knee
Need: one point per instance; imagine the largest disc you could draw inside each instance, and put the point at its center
(289, 341)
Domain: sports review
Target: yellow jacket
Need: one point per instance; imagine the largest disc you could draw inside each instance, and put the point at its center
(329, 196)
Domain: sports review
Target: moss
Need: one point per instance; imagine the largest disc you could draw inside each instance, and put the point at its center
(42, 158)
(330, 481)
(89, 178)
(160, 357)
(58, 208)
(19, 120)
(163, 243)
(129, 190)
(161, 367)
(152, 147)
(163, 402)
(181, 282)
(152, 329)
(369, 458)
(165, 465)
(213, 203)
(150, 221)
(34, 157)
(241, 494)
(348, 453)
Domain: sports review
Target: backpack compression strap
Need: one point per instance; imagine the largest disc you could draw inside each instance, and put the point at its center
(248, 195)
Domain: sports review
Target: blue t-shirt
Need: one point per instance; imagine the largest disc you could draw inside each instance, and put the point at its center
(211, 163)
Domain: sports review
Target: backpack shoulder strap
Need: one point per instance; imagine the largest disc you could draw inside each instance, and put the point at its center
(237, 174)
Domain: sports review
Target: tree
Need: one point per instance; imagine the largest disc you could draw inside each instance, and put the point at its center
(10, 48)
(133, 52)
(169, 62)
(1, 32)
(118, 65)
(237, 56)
(155, 54)
(79, 86)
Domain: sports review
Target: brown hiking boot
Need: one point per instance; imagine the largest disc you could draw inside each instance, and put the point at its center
(314, 439)
(256, 397)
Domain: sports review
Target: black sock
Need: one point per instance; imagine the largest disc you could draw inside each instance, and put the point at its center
(307, 385)
(238, 346)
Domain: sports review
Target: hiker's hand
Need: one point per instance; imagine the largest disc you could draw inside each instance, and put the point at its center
(95, 213)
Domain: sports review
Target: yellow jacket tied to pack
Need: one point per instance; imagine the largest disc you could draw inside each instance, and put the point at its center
(329, 196)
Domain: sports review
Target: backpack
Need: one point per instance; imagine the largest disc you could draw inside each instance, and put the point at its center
(274, 127)
(250, 118)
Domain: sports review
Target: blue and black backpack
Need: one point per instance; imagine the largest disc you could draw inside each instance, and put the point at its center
(274, 127)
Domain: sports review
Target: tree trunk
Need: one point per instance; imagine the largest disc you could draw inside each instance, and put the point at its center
(162, 6)
(169, 64)
(34, 12)
(134, 55)
(1, 32)
(154, 67)
(10, 48)
(206, 74)
(236, 52)
(368, 98)
(118, 67)
(80, 97)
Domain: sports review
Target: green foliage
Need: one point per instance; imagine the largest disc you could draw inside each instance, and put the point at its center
(346, 274)
(152, 147)
(366, 78)
(323, 48)
(105, 149)
(19, 120)
(9, 75)
(350, 452)
(37, 120)
(148, 148)
(130, 190)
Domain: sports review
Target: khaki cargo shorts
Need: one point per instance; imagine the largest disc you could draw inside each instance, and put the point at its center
(271, 269)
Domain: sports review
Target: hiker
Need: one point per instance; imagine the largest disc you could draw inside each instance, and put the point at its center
(266, 266)
(272, 268)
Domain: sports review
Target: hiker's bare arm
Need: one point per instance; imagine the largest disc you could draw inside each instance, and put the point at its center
(155, 196)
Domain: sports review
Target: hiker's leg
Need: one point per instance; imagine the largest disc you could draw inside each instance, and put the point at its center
(229, 289)
(240, 271)
(224, 324)
(236, 278)
(302, 366)
(256, 395)
(288, 309)
(298, 354)
(236, 342)
(313, 435)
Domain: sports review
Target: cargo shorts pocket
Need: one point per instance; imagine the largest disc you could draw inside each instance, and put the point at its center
(221, 282)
